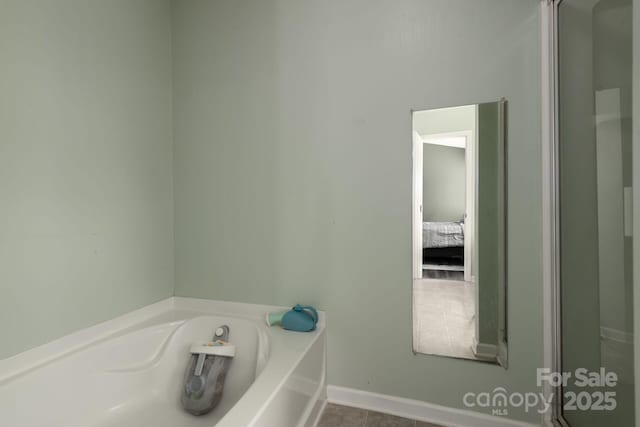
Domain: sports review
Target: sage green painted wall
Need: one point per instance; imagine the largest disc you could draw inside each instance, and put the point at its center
(488, 221)
(85, 164)
(300, 110)
(443, 187)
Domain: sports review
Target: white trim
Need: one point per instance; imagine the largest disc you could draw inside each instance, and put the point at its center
(550, 290)
(417, 410)
(484, 351)
(417, 189)
(471, 195)
(447, 141)
(444, 135)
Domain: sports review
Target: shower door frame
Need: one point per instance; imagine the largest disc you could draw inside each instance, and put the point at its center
(551, 210)
(552, 291)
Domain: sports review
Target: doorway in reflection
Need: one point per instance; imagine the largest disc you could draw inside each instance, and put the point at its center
(458, 232)
(444, 295)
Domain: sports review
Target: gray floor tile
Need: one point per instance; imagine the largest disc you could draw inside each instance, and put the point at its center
(345, 416)
(342, 416)
(377, 419)
(424, 424)
(444, 318)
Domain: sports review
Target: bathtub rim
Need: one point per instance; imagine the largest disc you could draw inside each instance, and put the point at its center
(47, 353)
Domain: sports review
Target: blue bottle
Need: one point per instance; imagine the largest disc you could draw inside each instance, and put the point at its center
(301, 318)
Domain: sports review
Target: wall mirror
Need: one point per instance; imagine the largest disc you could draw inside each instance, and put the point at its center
(459, 265)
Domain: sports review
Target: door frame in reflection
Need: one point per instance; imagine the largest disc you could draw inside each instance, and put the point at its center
(446, 139)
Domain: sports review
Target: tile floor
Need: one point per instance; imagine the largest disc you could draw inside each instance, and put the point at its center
(444, 313)
(345, 416)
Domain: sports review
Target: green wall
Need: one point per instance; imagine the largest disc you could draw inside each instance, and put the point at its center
(443, 187)
(300, 110)
(488, 219)
(86, 224)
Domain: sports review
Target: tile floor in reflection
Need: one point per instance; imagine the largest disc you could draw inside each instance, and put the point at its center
(444, 313)
(345, 416)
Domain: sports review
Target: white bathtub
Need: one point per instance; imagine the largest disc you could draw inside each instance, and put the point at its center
(128, 372)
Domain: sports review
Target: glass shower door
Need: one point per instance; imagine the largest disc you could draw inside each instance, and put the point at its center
(595, 210)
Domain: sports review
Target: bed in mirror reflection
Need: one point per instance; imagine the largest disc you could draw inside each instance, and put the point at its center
(459, 280)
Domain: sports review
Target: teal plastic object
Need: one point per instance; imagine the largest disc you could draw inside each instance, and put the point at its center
(301, 318)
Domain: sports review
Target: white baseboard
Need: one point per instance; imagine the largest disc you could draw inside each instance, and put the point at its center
(417, 410)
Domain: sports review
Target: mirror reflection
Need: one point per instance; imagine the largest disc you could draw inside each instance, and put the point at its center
(459, 288)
